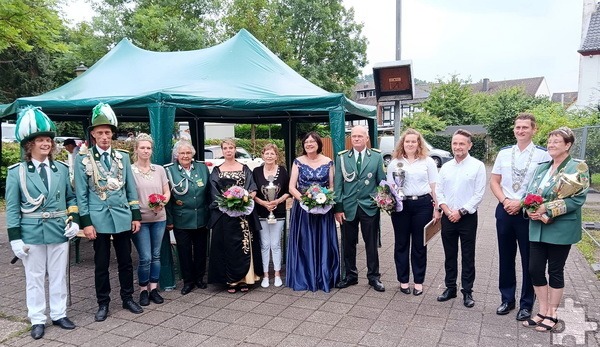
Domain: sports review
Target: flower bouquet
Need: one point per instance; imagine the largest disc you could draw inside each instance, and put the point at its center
(156, 202)
(532, 202)
(386, 198)
(235, 202)
(317, 199)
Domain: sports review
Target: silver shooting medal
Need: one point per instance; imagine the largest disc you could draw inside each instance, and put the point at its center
(369, 175)
(516, 186)
(366, 182)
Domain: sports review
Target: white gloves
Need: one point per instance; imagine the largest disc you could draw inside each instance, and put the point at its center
(19, 248)
(71, 230)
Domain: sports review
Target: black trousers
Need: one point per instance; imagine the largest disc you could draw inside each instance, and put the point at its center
(513, 231)
(464, 230)
(369, 225)
(408, 235)
(555, 256)
(122, 244)
(191, 246)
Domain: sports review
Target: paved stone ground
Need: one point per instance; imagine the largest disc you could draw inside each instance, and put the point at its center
(281, 317)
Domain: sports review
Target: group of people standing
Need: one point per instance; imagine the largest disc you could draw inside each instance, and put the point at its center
(115, 203)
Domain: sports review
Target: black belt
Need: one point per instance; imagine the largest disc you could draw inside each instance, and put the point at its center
(416, 197)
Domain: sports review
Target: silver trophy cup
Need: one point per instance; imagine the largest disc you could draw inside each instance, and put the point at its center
(399, 177)
(270, 192)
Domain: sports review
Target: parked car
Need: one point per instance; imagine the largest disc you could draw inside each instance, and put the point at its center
(8, 132)
(386, 145)
(213, 156)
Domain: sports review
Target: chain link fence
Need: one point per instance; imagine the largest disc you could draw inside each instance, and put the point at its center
(587, 147)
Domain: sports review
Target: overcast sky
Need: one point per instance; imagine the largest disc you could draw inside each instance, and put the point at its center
(476, 39)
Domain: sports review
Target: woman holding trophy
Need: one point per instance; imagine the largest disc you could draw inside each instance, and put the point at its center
(553, 202)
(413, 175)
(272, 182)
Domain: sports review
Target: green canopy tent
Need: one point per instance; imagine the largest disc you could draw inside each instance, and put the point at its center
(237, 81)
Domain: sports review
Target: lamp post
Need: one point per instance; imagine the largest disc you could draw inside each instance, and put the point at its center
(80, 69)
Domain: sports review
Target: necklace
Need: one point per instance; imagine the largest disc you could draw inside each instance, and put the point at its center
(146, 175)
(518, 175)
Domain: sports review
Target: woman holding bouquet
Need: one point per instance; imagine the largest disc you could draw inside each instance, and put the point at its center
(415, 174)
(271, 175)
(554, 224)
(187, 213)
(313, 255)
(235, 258)
(153, 194)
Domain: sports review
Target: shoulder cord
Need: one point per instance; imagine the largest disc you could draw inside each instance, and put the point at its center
(347, 177)
(34, 202)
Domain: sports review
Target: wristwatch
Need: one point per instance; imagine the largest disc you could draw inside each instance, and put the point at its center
(463, 211)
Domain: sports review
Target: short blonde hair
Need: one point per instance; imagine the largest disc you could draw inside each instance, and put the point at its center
(229, 141)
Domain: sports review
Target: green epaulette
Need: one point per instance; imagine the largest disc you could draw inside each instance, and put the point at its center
(13, 166)
(169, 164)
(62, 162)
(376, 150)
(122, 150)
(199, 161)
(342, 152)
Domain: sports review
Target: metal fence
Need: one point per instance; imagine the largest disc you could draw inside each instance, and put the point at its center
(587, 147)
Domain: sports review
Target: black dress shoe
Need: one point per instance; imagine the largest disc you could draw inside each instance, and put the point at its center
(37, 331)
(468, 300)
(187, 288)
(132, 306)
(417, 292)
(405, 290)
(102, 313)
(523, 314)
(155, 297)
(377, 285)
(64, 323)
(144, 298)
(346, 283)
(448, 294)
(201, 285)
(505, 308)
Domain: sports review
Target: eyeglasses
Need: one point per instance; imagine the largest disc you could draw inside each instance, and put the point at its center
(185, 153)
(310, 141)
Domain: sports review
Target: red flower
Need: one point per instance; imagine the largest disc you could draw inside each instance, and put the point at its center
(155, 200)
(532, 202)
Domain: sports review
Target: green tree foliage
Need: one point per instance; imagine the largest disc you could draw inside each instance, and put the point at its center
(25, 73)
(25, 24)
(424, 123)
(451, 101)
(158, 25)
(502, 110)
(327, 46)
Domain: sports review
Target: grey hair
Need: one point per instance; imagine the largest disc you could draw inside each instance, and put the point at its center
(183, 143)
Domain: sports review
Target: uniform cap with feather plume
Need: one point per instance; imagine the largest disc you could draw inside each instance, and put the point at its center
(103, 114)
(31, 123)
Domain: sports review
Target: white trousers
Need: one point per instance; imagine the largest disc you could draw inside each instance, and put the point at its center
(42, 259)
(270, 242)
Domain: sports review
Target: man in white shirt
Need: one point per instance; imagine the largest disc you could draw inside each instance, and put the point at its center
(513, 169)
(460, 191)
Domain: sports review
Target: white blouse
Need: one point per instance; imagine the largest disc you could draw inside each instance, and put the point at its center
(419, 175)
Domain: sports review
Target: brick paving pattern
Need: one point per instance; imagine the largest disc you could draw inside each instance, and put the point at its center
(356, 316)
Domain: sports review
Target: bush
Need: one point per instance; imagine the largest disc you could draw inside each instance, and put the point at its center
(262, 131)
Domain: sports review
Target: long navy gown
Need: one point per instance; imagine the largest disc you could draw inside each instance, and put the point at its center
(313, 255)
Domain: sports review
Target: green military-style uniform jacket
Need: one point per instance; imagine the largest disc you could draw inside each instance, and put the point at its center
(190, 196)
(107, 199)
(566, 213)
(33, 213)
(352, 188)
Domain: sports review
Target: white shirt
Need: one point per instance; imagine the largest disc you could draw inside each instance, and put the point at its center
(419, 175)
(461, 185)
(503, 167)
(37, 163)
(362, 156)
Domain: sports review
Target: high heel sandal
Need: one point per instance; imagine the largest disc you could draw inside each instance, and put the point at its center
(530, 323)
(244, 288)
(232, 289)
